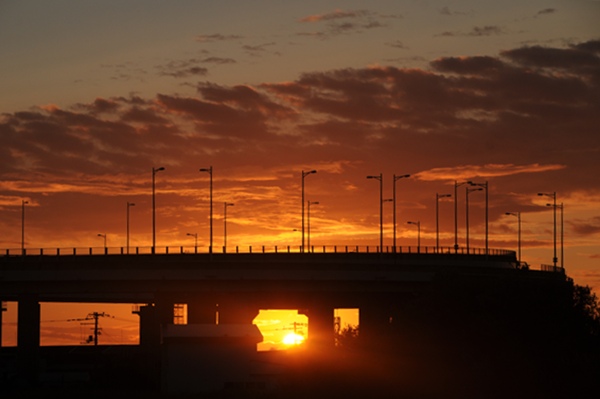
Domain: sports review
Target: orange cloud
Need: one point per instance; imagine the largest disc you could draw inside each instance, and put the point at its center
(466, 172)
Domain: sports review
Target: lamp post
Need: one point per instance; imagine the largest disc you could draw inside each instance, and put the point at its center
(437, 219)
(562, 257)
(209, 170)
(396, 178)
(309, 203)
(225, 205)
(103, 236)
(553, 196)
(154, 172)
(469, 190)
(304, 174)
(518, 216)
(456, 185)
(485, 187)
(23, 203)
(418, 224)
(380, 178)
(195, 235)
(129, 205)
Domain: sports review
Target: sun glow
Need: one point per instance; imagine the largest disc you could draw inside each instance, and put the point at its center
(293, 339)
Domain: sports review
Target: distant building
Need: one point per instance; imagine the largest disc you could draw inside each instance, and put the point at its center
(199, 358)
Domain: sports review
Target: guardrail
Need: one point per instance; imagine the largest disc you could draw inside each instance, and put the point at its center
(552, 268)
(252, 249)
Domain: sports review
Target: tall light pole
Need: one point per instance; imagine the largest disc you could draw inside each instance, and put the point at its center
(304, 174)
(418, 224)
(437, 219)
(456, 185)
(309, 203)
(103, 236)
(396, 178)
(518, 216)
(225, 205)
(553, 196)
(562, 257)
(23, 203)
(129, 205)
(154, 172)
(485, 187)
(195, 235)
(380, 178)
(209, 170)
(469, 190)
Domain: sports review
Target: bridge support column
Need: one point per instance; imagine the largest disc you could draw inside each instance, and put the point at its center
(320, 326)
(375, 321)
(2, 310)
(152, 317)
(202, 312)
(241, 311)
(28, 337)
(149, 327)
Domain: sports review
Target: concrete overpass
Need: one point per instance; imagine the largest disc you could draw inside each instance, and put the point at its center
(231, 288)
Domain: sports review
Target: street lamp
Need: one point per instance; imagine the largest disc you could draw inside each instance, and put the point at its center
(209, 170)
(308, 221)
(380, 178)
(456, 185)
(129, 204)
(396, 178)
(154, 172)
(23, 203)
(437, 219)
(103, 236)
(195, 235)
(304, 174)
(225, 205)
(418, 224)
(518, 216)
(562, 257)
(469, 190)
(553, 196)
(485, 187)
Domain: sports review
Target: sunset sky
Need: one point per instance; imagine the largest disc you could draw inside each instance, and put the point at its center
(95, 94)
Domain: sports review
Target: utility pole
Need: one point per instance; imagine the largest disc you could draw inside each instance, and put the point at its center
(96, 329)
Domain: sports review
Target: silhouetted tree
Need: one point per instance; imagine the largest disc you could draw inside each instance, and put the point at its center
(347, 336)
(587, 310)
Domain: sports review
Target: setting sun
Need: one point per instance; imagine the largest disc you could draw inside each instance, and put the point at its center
(293, 339)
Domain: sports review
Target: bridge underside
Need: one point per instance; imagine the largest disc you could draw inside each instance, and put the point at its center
(395, 296)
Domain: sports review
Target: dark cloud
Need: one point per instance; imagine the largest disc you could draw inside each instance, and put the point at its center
(397, 44)
(586, 227)
(258, 49)
(476, 31)
(101, 105)
(577, 57)
(464, 107)
(469, 65)
(447, 11)
(344, 22)
(591, 46)
(217, 37)
(182, 69)
(218, 60)
(546, 11)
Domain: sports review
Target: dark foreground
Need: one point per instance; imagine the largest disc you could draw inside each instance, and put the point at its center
(457, 340)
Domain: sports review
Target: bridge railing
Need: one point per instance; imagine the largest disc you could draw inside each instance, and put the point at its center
(552, 268)
(258, 249)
